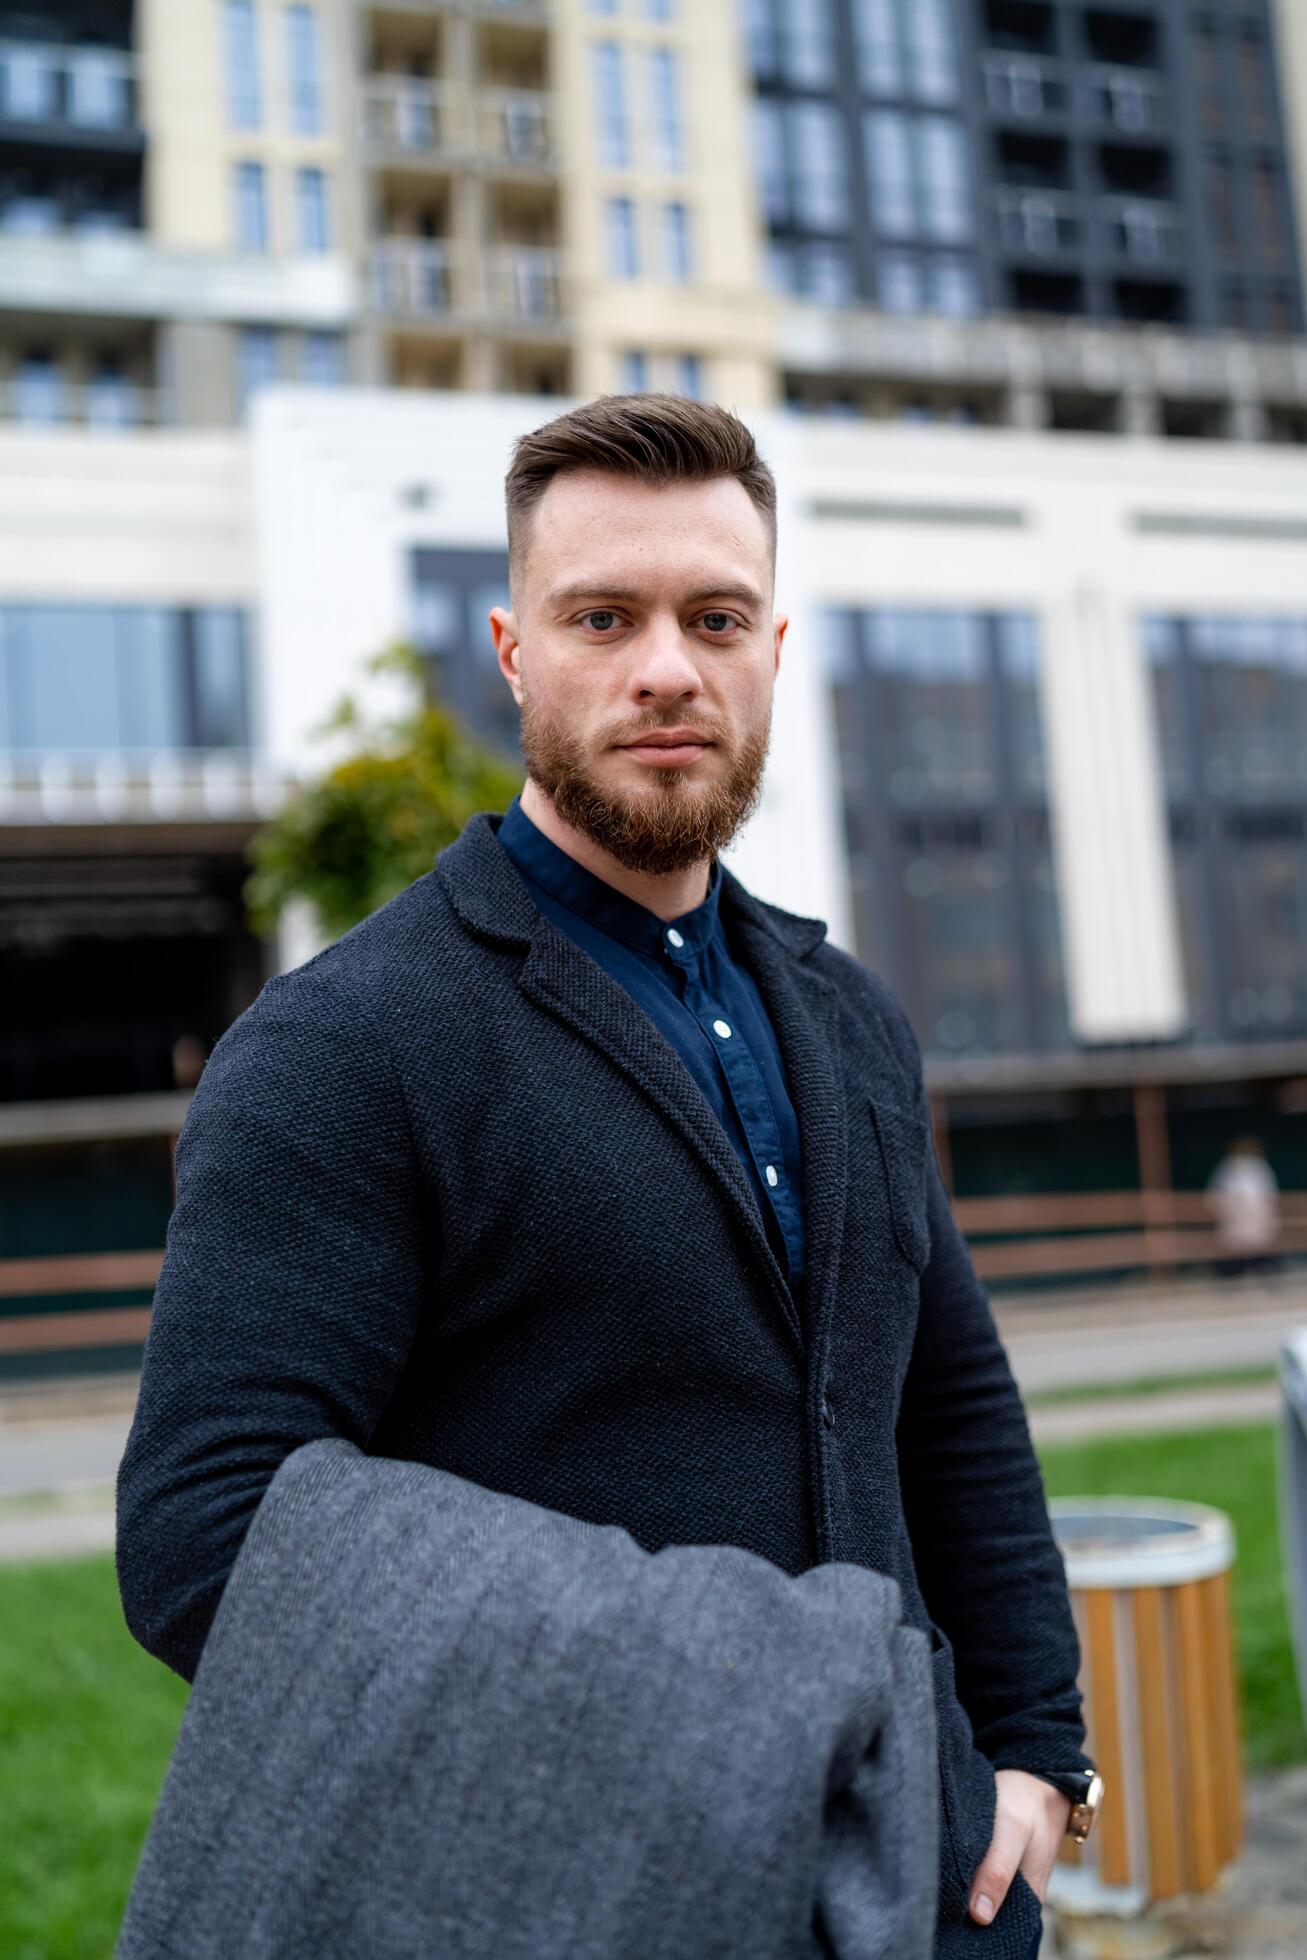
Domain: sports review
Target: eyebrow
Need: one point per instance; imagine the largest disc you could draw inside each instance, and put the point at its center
(566, 595)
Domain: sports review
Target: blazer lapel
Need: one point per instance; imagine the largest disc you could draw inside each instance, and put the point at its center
(568, 984)
(804, 1011)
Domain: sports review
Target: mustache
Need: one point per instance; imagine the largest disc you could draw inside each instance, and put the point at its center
(632, 731)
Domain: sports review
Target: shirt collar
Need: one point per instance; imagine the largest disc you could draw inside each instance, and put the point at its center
(600, 905)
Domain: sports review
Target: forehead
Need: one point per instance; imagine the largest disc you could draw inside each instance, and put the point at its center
(593, 525)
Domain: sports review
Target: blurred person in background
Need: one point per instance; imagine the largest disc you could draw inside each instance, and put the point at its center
(578, 1171)
(1244, 1198)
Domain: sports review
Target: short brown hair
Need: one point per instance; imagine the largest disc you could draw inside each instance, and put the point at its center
(658, 439)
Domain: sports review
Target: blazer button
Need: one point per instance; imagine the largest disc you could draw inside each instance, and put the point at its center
(827, 1413)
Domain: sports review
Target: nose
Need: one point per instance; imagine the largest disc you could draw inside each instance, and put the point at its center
(664, 669)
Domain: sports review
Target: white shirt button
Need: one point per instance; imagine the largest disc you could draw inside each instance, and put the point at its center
(772, 1178)
(674, 938)
(723, 1028)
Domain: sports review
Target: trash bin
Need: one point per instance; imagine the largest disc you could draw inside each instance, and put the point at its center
(1150, 1590)
(1293, 1492)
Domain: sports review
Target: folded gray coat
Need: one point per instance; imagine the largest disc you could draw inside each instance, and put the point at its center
(433, 1720)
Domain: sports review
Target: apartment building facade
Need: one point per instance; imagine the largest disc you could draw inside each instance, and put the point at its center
(279, 282)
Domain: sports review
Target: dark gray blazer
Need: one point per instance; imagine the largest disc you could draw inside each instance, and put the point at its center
(436, 1723)
(446, 1192)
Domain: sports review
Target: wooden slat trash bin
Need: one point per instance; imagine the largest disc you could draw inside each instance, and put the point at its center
(1150, 1590)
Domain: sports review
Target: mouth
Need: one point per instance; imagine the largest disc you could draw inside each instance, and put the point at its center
(667, 748)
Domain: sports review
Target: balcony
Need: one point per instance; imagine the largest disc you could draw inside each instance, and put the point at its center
(432, 279)
(61, 94)
(407, 117)
(127, 276)
(1024, 87)
(41, 397)
(1125, 99)
(145, 786)
(1144, 230)
(1037, 223)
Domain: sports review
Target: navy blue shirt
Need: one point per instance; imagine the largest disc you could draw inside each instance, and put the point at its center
(682, 973)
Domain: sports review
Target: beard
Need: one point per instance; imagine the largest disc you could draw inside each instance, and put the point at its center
(674, 823)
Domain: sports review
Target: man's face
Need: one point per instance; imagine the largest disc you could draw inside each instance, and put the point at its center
(642, 651)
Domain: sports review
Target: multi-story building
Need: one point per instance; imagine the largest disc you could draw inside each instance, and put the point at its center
(1043, 699)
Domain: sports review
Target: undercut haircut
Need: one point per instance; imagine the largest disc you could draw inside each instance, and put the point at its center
(655, 439)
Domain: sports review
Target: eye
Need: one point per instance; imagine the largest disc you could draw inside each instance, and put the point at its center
(602, 620)
(719, 622)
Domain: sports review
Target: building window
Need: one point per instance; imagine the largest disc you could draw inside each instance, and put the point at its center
(99, 88)
(917, 173)
(898, 283)
(954, 288)
(827, 273)
(665, 105)
(809, 42)
(37, 392)
(932, 51)
(678, 257)
(322, 359)
(1230, 708)
(880, 62)
(946, 822)
(608, 83)
(452, 592)
(689, 375)
(117, 679)
(303, 70)
(769, 159)
(251, 208)
(112, 401)
(906, 47)
(623, 242)
(660, 10)
(760, 37)
(256, 363)
(820, 171)
(29, 82)
(31, 214)
(240, 35)
(311, 209)
(608, 7)
(635, 371)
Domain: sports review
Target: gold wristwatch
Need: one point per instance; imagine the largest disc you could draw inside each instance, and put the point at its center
(1084, 1787)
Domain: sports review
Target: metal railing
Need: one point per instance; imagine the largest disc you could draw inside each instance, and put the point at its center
(1043, 222)
(410, 116)
(1025, 86)
(55, 402)
(1145, 230)
(148, 785)
(50, 82)
(426, 278)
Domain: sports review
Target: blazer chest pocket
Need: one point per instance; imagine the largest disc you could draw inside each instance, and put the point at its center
(904, 1142)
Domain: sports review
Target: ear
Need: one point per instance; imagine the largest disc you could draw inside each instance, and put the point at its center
(780, 625)
(508, 648)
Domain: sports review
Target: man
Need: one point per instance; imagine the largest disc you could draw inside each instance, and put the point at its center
(579, 1172)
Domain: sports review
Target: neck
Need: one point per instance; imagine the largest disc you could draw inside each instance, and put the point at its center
(667, 897)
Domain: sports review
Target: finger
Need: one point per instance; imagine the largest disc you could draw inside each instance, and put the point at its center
(1007, 1848)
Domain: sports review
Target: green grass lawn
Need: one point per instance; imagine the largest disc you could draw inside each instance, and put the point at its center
(87, 1720)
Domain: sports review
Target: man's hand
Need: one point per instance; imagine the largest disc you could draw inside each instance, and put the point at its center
(1029, 1824)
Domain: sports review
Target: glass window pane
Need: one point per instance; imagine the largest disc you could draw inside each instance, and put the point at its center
(635, 371)
(809, 42)
(828, 273)
(303, 70)
(322, 359)
(29, 82)
(220, 679)
(311, 203)
(880, 63)
(760, 36)
(689, 375)
(63, 681)
(677, 258)
(934, 59)
(935, 691)
(251, 208)
(955, 288)
(665, 102)
(240, 34)
(769, 159)
(151, 703)
(945, 192)
(37, 392)
(898, 283)
(820, 174)
(623, 245)
(608, 86)
(889, 173)
(99, 94)
(256, 361)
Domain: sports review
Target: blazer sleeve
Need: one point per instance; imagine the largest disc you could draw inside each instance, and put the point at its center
(977, 1513)
(292, 1281)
